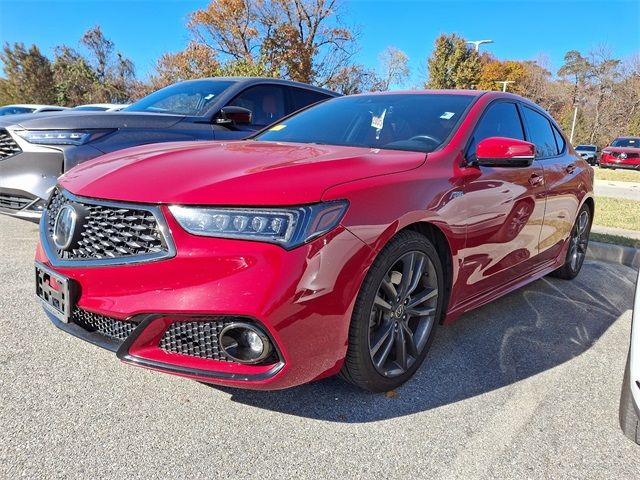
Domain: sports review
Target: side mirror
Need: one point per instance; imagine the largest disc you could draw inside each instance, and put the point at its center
(232, 115)
(504, 152)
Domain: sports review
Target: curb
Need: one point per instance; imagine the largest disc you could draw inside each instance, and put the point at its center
(607, 252)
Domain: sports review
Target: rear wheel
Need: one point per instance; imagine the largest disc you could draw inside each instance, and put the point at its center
(395, 315)
(578, 243)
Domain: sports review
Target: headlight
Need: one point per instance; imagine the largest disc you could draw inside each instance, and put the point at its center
(289, 227)
(61, 137)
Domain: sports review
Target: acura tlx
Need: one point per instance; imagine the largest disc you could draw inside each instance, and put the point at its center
(333, 242)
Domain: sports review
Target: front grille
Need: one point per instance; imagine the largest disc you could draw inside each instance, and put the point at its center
(8, 146)
(629, 154)
(196, 339)
(108, 231)
(14, 202)
(107, 326)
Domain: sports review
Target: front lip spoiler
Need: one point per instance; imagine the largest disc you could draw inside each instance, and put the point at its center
(77, 331)
(121, 350)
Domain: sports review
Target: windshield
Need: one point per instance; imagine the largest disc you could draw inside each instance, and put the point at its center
(187, 98)
(15, 110)
(416, 122)
(586, 148)
(91, 108)
(626, 142)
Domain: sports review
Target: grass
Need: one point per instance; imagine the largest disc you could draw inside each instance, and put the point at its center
(617, 175)
(617, 212)
(615, 239)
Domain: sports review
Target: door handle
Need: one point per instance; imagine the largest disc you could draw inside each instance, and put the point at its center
(570, 168)
(536, 179)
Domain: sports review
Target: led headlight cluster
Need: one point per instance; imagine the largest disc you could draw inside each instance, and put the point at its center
(61, 137)
(289, 227)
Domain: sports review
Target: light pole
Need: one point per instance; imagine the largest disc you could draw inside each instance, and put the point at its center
(477, 43)
(504, 84)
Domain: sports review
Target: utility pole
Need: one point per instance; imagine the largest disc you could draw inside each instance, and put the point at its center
(504, 84)
(573, 124)
(477, 43)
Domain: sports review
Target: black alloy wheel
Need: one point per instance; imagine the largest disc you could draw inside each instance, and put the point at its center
(396, 314)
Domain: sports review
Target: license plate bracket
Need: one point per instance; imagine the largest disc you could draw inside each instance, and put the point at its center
(55, 291)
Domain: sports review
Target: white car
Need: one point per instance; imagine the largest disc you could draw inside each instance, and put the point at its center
(101, 107)
(630, 397)
(29, 108)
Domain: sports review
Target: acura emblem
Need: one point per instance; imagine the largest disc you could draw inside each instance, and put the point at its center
(64, 227)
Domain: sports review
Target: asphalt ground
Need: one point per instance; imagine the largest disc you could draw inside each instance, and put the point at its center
(526, 387)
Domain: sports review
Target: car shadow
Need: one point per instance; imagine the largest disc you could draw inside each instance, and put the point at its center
(534, 329)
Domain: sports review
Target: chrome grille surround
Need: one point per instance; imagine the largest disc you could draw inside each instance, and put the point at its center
(8, 146)
(112, 233)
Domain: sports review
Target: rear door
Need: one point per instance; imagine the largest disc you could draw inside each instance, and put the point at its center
(561, 169)
(504, 208)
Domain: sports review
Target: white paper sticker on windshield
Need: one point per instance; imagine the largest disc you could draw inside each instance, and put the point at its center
(209, 97)
(447, 115)
(378, 122)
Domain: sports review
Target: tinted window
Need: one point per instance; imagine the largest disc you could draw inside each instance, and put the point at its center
(499, 120)
(626, 142)
(416, 122)
(301, 97)
(560, 143)
(266, 103)
(91, 109)
(14, 110)
(586, 148)
(541, 134)
(187, 98)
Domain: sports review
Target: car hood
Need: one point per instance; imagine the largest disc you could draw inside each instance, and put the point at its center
(87, 120)
(231, 173)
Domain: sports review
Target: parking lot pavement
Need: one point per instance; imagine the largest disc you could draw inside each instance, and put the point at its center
(525, 387)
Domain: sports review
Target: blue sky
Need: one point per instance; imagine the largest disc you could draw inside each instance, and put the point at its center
(143, 29)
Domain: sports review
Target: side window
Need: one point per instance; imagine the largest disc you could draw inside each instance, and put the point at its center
(499, 120)
(541, 133)
(302, 97)
(266, 102)
(560, 142)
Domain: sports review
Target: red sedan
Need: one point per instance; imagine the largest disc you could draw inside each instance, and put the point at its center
(623, 152)
(334, 242)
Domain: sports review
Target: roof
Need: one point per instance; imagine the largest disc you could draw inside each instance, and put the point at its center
(249, 80)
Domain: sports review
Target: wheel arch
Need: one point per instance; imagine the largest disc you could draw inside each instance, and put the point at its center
(441, 243)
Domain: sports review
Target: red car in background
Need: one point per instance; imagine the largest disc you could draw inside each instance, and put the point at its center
(334, 242)
(623, 152)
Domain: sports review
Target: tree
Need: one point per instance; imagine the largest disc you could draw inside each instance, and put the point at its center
(354, 79)
(300, 39)
(195, 61)
(495, 71)
(453, 64)
(75, 80)
(28, 75)
(395, 67)
(577, 67)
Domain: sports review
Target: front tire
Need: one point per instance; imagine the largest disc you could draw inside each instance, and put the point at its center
(578, 242)
(395, 315)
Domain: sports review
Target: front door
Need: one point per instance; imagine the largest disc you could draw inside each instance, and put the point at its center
(504, 207)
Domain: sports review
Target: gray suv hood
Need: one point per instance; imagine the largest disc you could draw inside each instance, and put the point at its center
(86, 120)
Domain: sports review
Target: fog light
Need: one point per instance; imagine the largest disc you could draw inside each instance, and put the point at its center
(244, 343)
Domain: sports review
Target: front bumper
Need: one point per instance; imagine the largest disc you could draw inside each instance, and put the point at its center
(27, 177)
(608, 161)
(303, 298)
